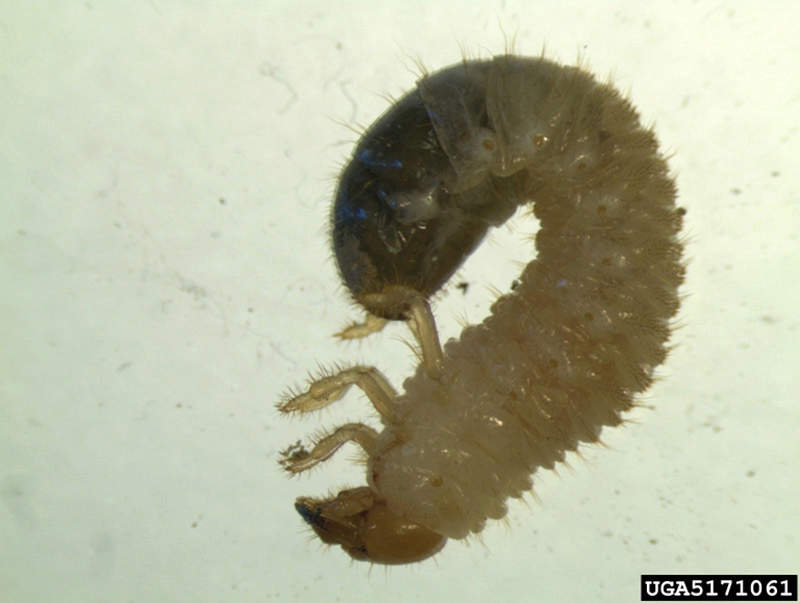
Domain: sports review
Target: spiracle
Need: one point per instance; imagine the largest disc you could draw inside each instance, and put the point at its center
(558, 358)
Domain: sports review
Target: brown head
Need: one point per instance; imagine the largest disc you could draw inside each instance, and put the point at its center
(367, 530)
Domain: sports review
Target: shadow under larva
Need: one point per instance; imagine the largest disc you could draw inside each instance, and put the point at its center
(558, 358)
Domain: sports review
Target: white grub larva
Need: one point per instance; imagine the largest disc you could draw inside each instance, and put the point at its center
(557, 359)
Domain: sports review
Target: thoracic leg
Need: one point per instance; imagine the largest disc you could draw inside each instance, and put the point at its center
(416, 310)
(423, 326)
(327, 390)
(296, 458)
(357, 330)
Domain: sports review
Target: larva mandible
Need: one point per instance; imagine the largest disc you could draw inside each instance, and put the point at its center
(557, 359)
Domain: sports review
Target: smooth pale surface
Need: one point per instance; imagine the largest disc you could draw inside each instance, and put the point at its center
(166, 275)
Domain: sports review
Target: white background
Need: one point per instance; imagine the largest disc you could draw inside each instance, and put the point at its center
(166, 177)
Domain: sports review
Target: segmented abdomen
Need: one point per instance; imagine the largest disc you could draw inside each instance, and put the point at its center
(565, 352)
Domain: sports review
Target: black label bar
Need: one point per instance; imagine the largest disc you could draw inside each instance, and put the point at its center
(708, 587)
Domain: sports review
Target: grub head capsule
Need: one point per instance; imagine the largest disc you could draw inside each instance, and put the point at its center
(418, 195)
(367, 530)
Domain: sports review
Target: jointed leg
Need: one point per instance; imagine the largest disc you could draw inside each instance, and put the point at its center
(296, 458)
(423, 326)
(326, 390)
(414, 307)
(357, 330)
